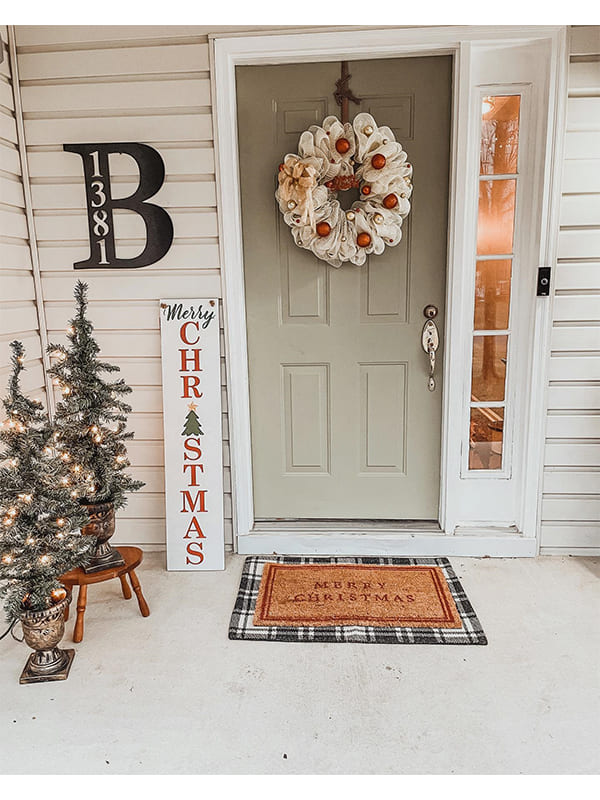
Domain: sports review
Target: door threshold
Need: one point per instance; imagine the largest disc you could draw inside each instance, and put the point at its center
(382, 542)
(350, 526)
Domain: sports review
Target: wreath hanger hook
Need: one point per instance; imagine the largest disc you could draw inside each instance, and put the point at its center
(343, 93)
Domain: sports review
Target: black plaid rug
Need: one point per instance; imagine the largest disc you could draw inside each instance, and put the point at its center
(241, 626)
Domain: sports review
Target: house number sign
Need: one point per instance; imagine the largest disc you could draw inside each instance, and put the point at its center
(100, 204)
(191, 372)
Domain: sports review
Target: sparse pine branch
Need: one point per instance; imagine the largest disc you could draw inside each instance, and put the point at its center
(91, 418)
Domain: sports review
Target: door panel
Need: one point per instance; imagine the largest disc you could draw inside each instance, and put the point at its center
(343, 424)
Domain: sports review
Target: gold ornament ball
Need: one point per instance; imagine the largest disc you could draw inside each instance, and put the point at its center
(323, 228)
(342, 146)
(368, 130)
(390, 201)
(378, 161)
(363, 240)
(291, 205)
(378, 218)
(58, 594)
(350, 215)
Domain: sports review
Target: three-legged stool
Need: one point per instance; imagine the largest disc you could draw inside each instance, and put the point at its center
(77, 577)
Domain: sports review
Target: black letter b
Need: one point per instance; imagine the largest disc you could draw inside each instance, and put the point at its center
(100, 204)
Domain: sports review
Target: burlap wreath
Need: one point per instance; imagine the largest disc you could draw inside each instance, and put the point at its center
(338, 156)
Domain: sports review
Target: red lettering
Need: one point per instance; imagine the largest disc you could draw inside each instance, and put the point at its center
(194, 552)
(183, 332)
(190, 382)
(189, 445)
(194, 526)
(185, 358)
(193, 468)
(200, 498)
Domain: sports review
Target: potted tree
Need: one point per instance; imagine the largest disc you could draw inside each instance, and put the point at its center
(90, 423)
(40, 537)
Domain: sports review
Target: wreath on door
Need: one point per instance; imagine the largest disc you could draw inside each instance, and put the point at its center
(337, 156)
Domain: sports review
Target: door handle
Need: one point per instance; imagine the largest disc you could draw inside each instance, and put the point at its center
(430, 339)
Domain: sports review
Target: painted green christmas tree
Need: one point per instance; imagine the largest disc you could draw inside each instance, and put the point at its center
(192, 423)
(40, 520)
(91, 419)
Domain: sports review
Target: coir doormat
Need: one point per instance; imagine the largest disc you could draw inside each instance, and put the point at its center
(351, 599)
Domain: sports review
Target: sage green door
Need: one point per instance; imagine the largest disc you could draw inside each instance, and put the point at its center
(343, 423)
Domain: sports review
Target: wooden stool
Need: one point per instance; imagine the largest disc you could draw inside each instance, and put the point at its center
(77, 577)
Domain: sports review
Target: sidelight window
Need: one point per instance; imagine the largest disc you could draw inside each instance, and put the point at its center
(498, 190)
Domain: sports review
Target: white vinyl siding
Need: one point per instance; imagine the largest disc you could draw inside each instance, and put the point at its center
(140, 84)
(18, 314)
(571, 489)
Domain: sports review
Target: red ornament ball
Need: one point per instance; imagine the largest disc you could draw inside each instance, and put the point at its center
(390, 201)
(58, 594)
(378, 161)
(366, 190)
(323, 228)
(342, 146)
(363, 240)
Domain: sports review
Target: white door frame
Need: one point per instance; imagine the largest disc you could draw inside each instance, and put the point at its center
(457, 536)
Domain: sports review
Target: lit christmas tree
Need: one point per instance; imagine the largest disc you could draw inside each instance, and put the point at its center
(90, 421)
(40, 516)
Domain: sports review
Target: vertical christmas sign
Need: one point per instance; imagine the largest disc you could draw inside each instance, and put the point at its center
(193, 440)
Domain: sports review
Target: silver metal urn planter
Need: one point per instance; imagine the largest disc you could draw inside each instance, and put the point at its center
(42, 631)
(102, 526)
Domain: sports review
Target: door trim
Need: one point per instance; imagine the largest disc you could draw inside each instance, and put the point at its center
(230, 51)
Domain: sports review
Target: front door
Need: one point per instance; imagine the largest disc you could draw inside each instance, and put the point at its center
(343, 423)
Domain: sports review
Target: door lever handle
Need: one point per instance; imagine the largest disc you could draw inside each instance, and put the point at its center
(430, 340)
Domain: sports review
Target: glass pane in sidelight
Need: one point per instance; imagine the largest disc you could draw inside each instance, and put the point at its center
(485, 438)
(499, 135)
(492, 295)
(489, 368)
(496, 221)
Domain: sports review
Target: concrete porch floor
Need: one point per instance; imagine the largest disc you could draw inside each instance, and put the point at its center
(171, 694)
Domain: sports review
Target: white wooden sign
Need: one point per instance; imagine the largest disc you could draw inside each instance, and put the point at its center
(191, 373)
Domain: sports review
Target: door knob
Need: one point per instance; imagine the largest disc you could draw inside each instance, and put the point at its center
(430, 340)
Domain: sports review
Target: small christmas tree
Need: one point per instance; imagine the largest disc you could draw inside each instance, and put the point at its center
(39, 516)
(91, 419)
(192, 423)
